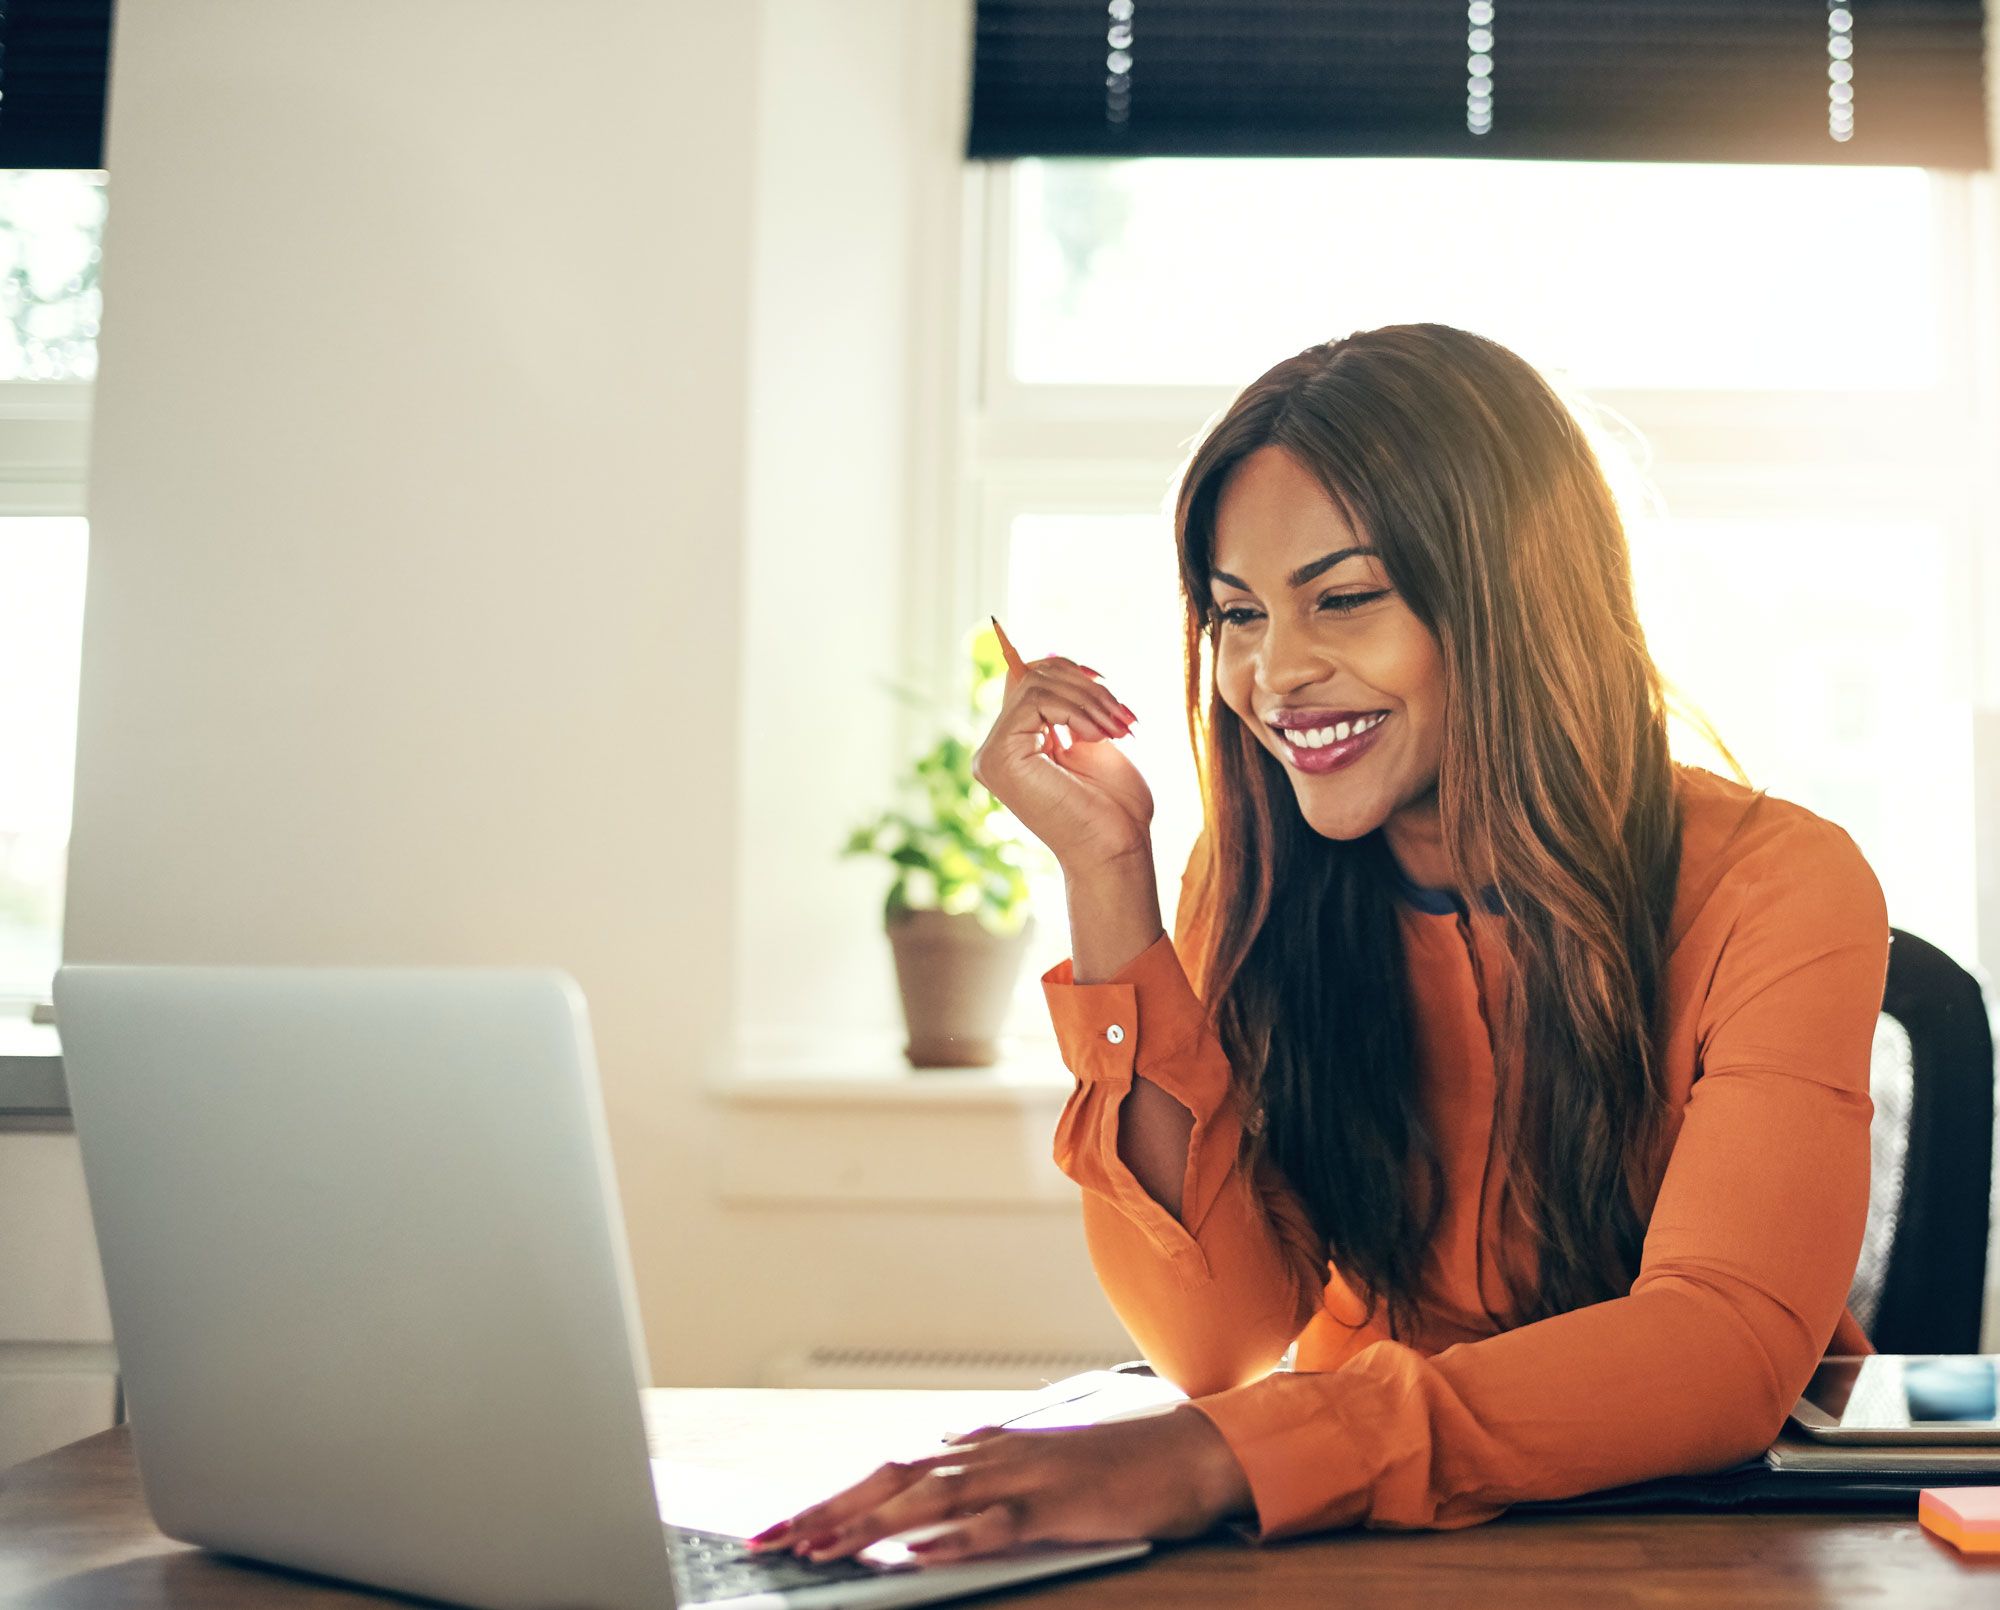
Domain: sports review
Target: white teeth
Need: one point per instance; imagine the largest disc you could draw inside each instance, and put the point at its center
(1338, 732)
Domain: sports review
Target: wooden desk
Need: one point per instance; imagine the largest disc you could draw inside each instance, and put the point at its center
(75, 1534)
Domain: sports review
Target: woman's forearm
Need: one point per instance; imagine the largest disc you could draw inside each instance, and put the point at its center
(1154, 1131)
(1114, 916)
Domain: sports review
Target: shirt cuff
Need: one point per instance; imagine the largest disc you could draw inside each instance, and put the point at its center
(1144, 1019)
(1304, 1469)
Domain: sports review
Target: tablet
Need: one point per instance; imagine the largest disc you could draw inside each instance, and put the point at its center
(1903, 1398)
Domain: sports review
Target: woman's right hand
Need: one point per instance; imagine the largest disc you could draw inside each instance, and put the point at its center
(1087, 803)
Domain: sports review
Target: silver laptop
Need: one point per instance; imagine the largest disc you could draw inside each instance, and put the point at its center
(371, 1298)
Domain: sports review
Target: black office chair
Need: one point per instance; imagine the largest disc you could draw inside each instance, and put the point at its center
(1920, 1285)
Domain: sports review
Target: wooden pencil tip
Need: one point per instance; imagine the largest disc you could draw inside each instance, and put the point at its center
(1007, 649)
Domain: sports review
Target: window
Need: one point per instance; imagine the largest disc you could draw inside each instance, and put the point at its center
(51, 234)
(51, 225)
(1636, 276)
(1779, 364)
(41, 628)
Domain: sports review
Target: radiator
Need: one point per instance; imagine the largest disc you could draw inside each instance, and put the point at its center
(935, 1367)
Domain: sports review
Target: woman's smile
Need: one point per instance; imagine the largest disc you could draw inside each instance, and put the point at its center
(1318, 746)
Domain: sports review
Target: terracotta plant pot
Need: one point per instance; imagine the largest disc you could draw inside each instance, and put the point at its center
(956, 979)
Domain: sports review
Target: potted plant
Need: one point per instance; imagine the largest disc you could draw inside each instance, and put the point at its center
(957, 909)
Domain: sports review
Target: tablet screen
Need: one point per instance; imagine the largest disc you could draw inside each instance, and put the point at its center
(1892, 1391)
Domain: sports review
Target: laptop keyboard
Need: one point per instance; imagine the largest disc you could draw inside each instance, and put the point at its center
(709, 1566)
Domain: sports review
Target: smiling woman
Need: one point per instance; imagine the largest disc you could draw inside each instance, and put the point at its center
(1525, 751)
(1390, 699)
(1516, 1074)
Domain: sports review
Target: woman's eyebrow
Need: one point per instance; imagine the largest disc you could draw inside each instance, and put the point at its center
(1304, 574)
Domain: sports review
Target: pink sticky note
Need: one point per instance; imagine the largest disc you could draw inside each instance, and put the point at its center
(1968, 1518)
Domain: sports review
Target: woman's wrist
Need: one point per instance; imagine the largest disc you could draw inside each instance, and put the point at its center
(1114, 915)
(1129, 866)
(1222, 1490)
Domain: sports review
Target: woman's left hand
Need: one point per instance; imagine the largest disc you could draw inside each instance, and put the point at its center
(1166, 1475)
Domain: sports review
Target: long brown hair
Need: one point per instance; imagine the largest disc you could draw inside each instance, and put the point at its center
(1555, 789)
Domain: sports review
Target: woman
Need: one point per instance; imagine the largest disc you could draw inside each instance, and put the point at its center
(1516, 1073)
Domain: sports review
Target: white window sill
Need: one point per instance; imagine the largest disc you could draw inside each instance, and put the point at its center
(875, 1074)
(32, 1093)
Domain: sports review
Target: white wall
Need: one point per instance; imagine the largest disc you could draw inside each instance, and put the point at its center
(500, 450)
(824, 523)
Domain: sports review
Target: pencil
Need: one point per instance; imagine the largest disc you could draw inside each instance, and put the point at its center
(1046, 743)
(1014, 665)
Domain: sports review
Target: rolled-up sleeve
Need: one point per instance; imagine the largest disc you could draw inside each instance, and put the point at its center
(1214, 1297)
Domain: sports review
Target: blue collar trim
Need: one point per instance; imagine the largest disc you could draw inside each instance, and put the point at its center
(1440, 902)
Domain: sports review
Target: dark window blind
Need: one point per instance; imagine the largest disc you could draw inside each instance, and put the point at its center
(1612, 80)
(55, 58)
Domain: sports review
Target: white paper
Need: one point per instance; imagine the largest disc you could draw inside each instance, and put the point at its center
(722, 1497)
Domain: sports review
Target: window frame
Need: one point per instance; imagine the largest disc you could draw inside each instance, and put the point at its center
(45, 446)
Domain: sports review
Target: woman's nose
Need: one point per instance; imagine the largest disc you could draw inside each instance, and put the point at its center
(1290, 658)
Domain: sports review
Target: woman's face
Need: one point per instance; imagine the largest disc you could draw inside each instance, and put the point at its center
(1321, 658)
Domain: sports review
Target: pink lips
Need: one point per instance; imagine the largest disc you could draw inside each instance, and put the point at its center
(1334, 756)
(1307, 716)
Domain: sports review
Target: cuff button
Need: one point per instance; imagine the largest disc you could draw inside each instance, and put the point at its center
(1115, 1034)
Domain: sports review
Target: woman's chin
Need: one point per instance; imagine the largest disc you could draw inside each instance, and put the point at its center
(1340, 819)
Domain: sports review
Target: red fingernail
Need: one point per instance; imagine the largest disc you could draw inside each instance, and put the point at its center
(1128, 712)
(1087, 671)
(925, 1546)
(769, 1532)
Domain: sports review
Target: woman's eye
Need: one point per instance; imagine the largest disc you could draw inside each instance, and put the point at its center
(1335, 603)
(1339, 603)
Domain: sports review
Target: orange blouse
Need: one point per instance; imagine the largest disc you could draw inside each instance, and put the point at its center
(1777, 953)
